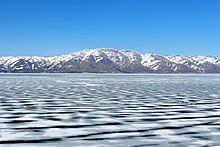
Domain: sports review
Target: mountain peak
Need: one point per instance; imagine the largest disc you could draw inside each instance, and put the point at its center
(111, 60)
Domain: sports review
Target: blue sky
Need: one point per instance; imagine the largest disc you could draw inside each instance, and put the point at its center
(50, 27)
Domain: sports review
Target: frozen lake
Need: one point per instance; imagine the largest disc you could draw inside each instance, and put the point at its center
(109, 109)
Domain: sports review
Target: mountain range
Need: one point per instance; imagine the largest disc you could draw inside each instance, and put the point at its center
(108, 60)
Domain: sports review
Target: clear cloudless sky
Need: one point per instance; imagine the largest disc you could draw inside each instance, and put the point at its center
(50, 27)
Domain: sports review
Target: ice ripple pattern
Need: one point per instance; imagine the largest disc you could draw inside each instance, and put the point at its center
(109, 109)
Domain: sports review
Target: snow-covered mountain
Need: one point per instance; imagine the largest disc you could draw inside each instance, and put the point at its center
(111, 60)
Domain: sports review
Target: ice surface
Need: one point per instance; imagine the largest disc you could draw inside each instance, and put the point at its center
(109, 110)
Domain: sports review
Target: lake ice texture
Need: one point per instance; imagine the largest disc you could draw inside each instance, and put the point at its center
(109, 110)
